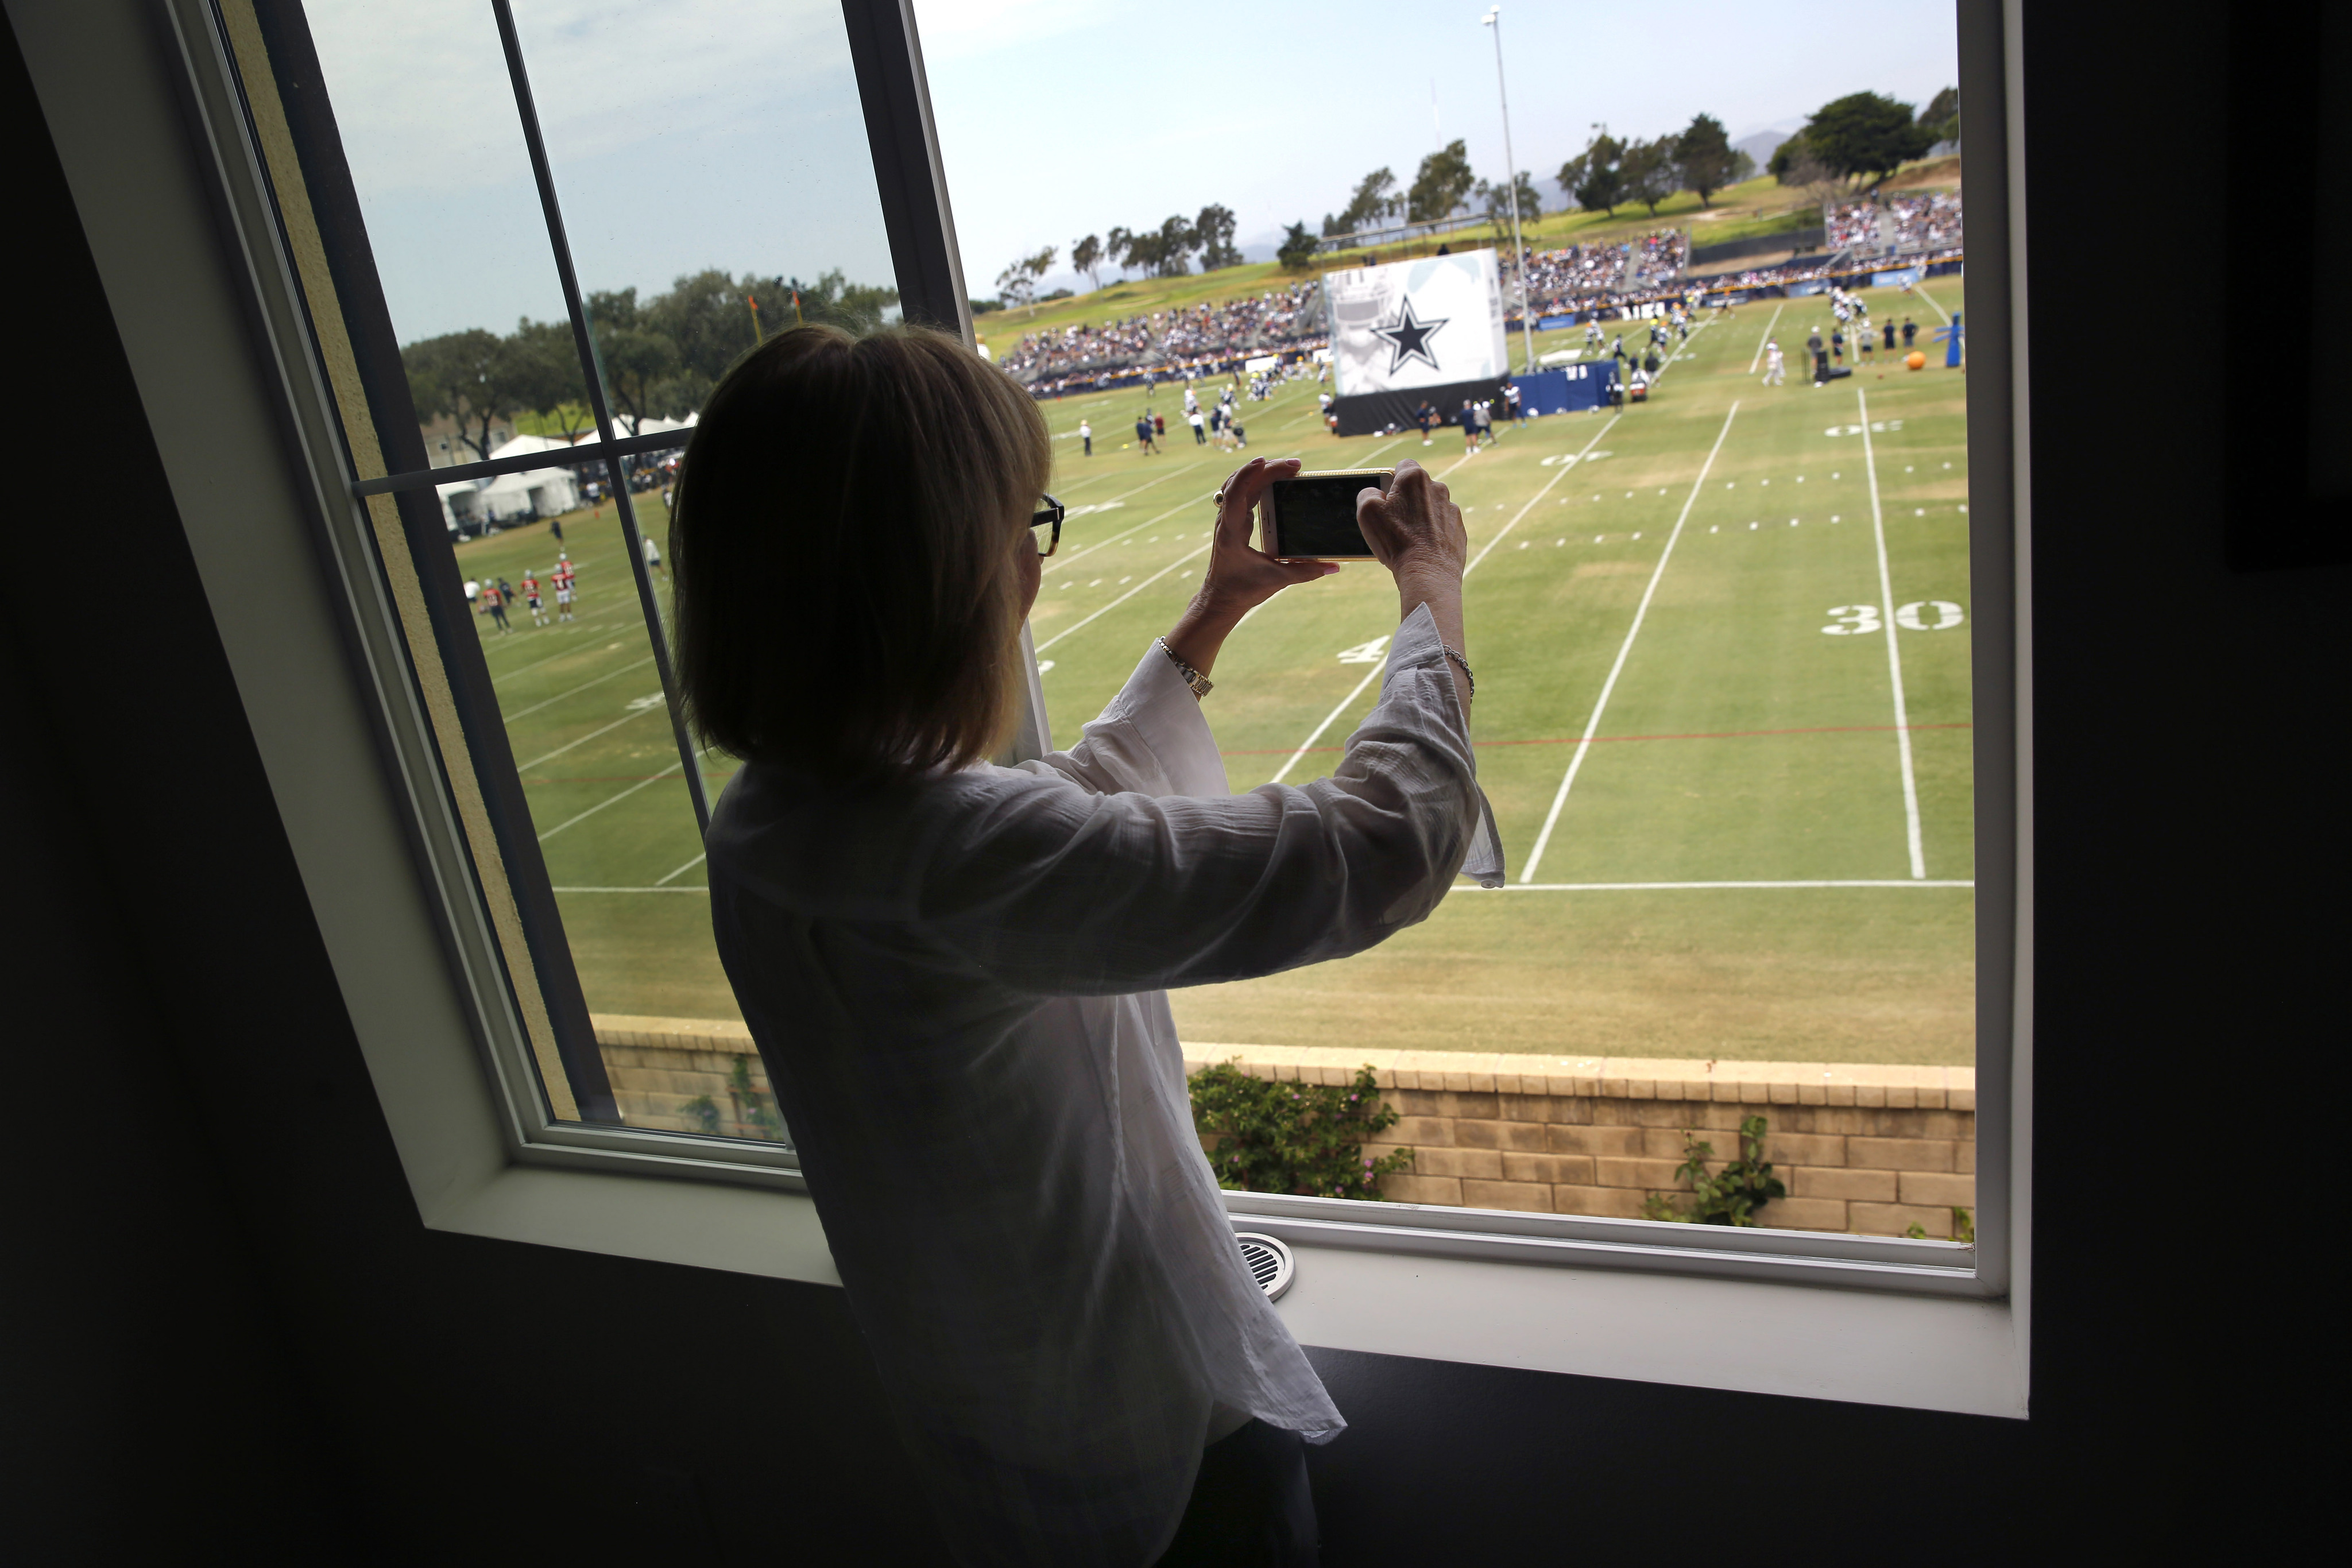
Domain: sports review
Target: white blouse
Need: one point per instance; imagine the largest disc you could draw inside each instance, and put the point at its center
(957, 989)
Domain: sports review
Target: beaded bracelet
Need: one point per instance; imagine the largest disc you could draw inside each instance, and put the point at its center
(1466, 675)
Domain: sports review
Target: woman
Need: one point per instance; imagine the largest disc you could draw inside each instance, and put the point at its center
(955, 970)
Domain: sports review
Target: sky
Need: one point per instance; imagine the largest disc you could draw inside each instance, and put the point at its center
(693, 133)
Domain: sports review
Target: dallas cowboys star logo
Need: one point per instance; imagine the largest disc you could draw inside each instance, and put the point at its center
(1410, 338)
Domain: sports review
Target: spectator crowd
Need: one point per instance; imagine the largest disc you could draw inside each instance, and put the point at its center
(1193, 339)
(1928, 221)
(1585, 276)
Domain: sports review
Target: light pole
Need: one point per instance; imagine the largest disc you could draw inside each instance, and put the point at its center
(1493, 18)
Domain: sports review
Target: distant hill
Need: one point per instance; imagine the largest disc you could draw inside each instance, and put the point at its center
(1761, 144)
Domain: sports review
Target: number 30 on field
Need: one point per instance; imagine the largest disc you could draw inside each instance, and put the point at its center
(1849, 619)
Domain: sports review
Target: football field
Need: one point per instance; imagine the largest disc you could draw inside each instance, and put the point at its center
(1722, 647)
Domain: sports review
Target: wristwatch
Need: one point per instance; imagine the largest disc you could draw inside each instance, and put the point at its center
(1193, 678)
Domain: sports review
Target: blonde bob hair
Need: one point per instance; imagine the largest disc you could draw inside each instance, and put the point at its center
(843, 541)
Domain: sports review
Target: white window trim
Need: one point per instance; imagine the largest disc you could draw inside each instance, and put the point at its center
(105, 76)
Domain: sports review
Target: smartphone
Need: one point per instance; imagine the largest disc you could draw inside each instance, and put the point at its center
(1313, 516)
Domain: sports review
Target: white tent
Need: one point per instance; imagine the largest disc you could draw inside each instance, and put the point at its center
(657, 426)
(513, 497)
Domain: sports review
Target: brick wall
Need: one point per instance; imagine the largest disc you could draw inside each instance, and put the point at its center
(1868, 1149)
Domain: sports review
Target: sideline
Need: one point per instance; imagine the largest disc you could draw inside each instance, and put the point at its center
(1380, 667)
(1893, 651)
(1592, 724)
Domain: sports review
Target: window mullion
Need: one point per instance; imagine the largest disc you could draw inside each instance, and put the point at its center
(568, 278)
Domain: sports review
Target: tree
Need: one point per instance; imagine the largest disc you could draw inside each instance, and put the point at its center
(1785, 156)
(470, 376)
(1438, 187)
(1018, 282)
(708, 316)
(1144, 252)
(638, 363)
(543, 359)
(1117, 245)
(1375, 198)
(1823, 184)
(1497, 199)
(1213, 229)
(857, 307)
(1703, 152)
(1177, 241)
(1649, 173)
(1594, 176)
(1864, 133)
(1086, 255)
(1942, 115)
(1299, 247)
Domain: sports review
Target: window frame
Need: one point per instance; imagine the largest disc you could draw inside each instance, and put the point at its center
(350, 752)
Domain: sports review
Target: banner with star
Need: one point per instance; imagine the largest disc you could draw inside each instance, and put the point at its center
(1426, 323)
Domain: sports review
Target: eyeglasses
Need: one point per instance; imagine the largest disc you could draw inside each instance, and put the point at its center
(1045, 526)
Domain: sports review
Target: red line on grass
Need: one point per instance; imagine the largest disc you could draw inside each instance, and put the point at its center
(1711, 734)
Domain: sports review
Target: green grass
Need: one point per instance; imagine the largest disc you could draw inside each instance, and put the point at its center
(1739, 744)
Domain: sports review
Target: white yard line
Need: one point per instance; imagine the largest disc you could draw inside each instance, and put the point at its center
(1680, 886)
(1757, 357)
(1920, 288)
(1381, 665)
(1123, 598)
(1060, 560)
(535, 664)
(681, 871)
(1592, 724)
(1329, 720)
(1893, 652)
(611, 799)
(1564, 470)
(527, 767)
(1679, 352)
(582, 686)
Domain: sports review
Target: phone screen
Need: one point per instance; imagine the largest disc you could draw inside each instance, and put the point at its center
(1315, 515)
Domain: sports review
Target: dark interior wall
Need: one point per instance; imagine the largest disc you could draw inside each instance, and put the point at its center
(225, 1329)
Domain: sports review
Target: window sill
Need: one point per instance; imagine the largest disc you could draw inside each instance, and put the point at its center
(1919, 1352)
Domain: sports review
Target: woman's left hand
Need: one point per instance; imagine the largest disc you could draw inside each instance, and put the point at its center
(1241, 577)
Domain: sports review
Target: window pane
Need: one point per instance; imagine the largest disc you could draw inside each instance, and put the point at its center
(435, 149)
(715, 183)
(1721, 631)
(712, 162)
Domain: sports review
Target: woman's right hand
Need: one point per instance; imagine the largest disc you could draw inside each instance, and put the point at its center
(1415, 527)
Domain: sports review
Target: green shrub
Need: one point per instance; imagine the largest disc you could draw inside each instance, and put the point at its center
(1302, 1138)
(1746, 1185)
